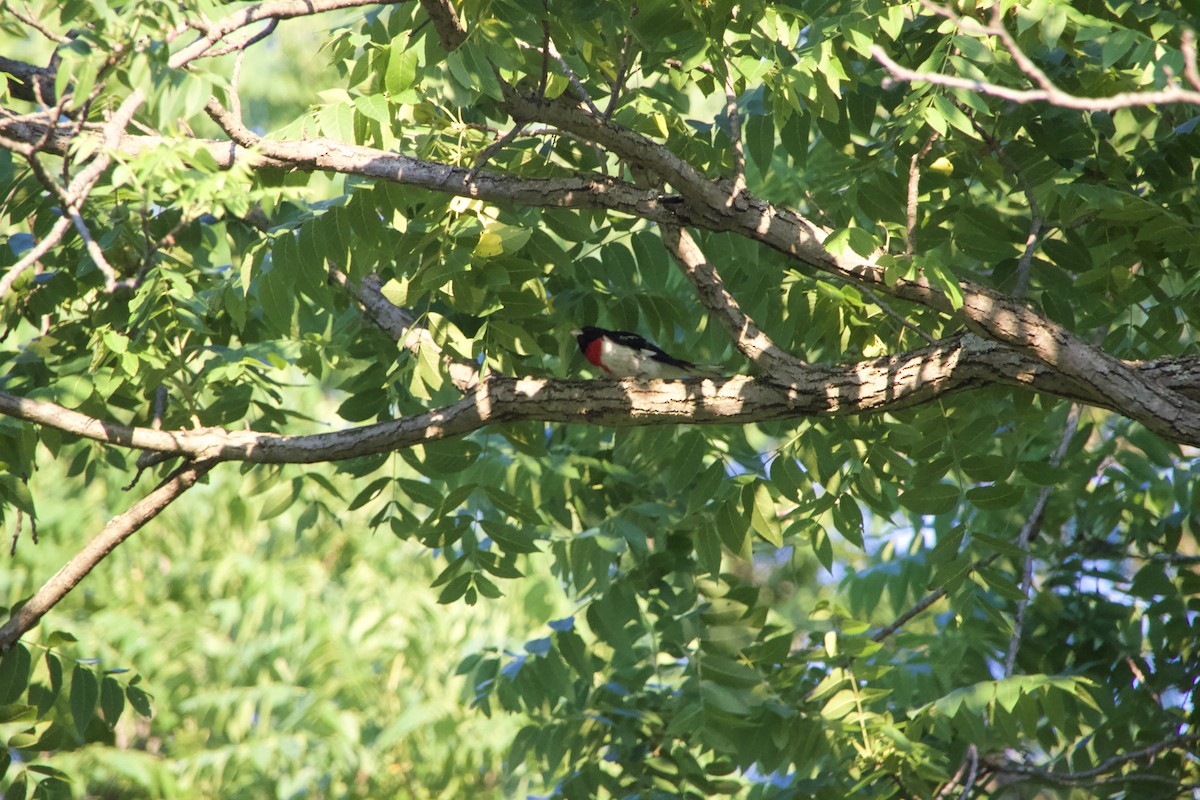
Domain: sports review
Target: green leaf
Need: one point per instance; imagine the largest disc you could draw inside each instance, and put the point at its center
(402, 66)
(84, 694)
(838, 706)
(708, 547)
(14, 674)
(276, 292)
(996, 496)
(953, 115)
(112, 700)
(139, 700)
(934, 498)
(763, 517)
(732, 527)
(848, 519)
(374, 107)
(760, 141)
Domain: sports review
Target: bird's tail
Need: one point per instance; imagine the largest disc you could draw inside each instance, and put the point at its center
(706, 371)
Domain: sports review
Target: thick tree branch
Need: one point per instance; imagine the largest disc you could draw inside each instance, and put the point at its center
(445, 21)
(992, 314)
(329, 156)
(30, 83)
(401, 326)
(116, 531)
(873, 386)
(772, 361)
(988, 312)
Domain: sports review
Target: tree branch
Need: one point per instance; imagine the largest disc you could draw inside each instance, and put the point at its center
(400, 325)
(1052, 95)
(914, 184)
(986, 311)
(925, 602)
(735, 135)
(269, 10)
(771, 360)
(1032, 526)
(116, 531)
(445, 21)
(873, 386)
(618, 84)
(1100, 377)
(1093, 775)
(329, 156)
(75, 193)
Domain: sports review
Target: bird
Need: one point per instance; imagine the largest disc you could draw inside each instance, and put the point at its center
(622, 354)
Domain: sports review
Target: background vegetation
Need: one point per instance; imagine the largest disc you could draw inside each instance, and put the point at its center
(290, 286)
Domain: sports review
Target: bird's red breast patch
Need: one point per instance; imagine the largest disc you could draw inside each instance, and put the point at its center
(592, 353)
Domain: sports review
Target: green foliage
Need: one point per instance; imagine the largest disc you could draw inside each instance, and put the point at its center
(581, 611)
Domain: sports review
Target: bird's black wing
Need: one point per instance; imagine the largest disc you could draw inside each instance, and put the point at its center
(636, 342)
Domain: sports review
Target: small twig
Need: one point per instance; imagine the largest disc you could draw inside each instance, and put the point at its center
(949, 785)
(30, 19)
(969, 783)
(1032, 526)
(1054, 96)
(75, 194)
(1187, 43)
(572, 77)
(400, 324)
(914, 183)
(214, 32)
(1036, 222)
(675, 63)
(1090, 775)
(93, 248)
(235, 97)
(545, 75)
(925, 602)
(735, 135)
(618, 84)
(486, 154)
(12, 551)
(48, 243)
(896, 315)
(153, 246)
(150, 458)
(1024, 62)
(240, 47)
(1141, 676)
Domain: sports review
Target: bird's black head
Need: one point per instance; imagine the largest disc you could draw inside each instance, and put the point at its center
(586, 335)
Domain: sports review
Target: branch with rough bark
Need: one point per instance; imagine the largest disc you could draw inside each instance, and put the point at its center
(1047, 91)
(989, 313)
(400, 325)
(1100, 774)
(817, 390)
(1100, 379)
(1020, 347)
(116, 531)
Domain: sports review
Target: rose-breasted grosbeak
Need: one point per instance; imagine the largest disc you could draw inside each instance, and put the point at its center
(626, 355)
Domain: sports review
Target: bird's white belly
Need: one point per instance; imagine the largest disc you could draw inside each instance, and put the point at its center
(626, 362)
